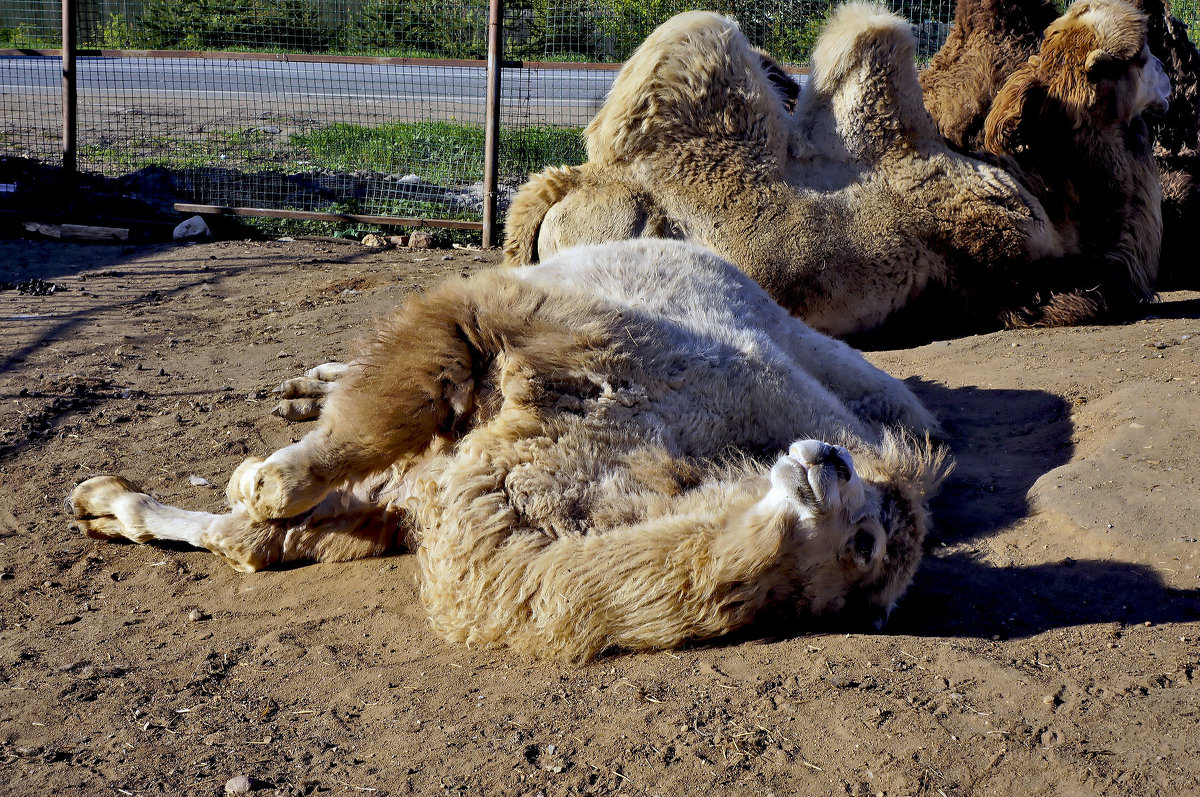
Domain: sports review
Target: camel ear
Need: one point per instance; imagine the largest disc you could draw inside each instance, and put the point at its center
(1013, 119)
(1100, 64)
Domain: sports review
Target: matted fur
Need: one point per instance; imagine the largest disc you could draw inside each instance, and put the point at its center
(604, 451)
(1067, 121)
(869, 217)
(989, 40)
(992, 38)
(845, 211)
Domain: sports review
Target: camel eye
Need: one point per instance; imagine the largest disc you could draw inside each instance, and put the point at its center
(864, 544)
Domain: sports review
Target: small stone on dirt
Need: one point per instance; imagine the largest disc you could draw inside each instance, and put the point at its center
(238, 785)
(196, 615)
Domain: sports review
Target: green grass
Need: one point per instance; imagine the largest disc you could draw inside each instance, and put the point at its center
(443, 153)
(447, 154)
(220, 149)
(439, 152)
(444, 150)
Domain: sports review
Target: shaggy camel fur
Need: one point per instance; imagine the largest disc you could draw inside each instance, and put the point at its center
(622, 448)
(853, 208)
(989, 40)
(844, 211)
(992, 38)
(1068, 123)
(1176, 136)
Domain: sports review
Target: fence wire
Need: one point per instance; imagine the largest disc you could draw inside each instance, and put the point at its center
(288, 104)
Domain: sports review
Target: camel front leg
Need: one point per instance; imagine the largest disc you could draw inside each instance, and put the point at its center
(301, 398)
(346, 525)
(109, 507)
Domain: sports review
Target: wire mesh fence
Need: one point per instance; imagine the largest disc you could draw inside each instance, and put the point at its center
(370, 107)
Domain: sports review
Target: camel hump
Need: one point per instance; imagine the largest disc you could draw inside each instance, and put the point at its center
(695, 79)
(864, 97)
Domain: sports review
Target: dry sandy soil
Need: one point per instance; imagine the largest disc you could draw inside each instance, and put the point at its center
(1048, 647)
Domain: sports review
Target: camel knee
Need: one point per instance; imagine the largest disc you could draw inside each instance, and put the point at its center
(284, 485)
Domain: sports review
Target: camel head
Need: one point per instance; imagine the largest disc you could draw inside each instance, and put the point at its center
(1094, 71)
(857, 522)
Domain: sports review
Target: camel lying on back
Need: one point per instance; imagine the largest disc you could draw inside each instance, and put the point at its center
(991, 39)
(853, 211)
(627, 446)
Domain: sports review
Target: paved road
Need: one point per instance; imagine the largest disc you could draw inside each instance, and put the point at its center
(577, 92)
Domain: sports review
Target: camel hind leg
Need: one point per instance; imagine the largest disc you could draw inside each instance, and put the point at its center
(413, 389)
(573, 206)
(342, 527)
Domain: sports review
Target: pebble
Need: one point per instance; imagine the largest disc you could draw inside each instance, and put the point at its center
(1049, 700)
(239, 784)
(196, 615)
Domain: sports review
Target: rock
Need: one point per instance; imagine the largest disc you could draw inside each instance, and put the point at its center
(199, 481)
(194, 229)
(420, 240)
(239, 784)
(196, 615)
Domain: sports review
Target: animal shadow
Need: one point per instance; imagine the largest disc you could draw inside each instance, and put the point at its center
(958, 596)
(1176, 308)
(1003, 440)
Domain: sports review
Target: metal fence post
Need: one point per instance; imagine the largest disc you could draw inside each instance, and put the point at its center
(491, 124)
(69, 89)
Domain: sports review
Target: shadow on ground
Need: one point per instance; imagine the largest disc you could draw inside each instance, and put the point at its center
(1002, 441)
(957, 596)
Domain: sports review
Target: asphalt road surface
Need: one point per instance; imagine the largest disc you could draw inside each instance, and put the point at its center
(562, 96)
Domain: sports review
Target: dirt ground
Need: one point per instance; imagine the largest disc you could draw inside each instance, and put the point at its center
(1048, 647)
